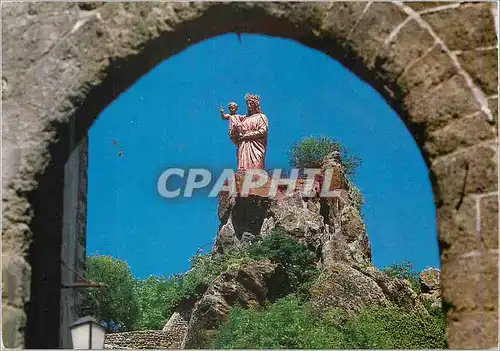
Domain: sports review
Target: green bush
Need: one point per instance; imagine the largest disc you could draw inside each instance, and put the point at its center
(356, 197)
(404, 271)
(298, 261)
(290, 324)
(394, 328)
(310, 151)
(204, 269)
(286, 324)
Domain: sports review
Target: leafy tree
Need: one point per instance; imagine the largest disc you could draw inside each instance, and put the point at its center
(116, 304)
(404, 270)
(310, 151)
(156, 296)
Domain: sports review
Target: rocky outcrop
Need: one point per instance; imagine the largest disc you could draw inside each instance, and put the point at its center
(430, 287)
(398, 291)
(353, 288)
(330, 227)
(252, 284)
(345, 238)
(241, 220)
(346, 288)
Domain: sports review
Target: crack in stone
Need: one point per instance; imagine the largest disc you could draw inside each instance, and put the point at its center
(83, 18)
(43, 59)
(327, 12)
(396, 30)
(365, 10)
(478, 94)
(462, 191)
(417, 60)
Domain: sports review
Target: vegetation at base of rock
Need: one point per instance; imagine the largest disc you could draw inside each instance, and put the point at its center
(298, 261)
(309, 152)
(115, 305)
(295, 258)
(404, 270)
(289, 323)
(155, 298)
(204, 269)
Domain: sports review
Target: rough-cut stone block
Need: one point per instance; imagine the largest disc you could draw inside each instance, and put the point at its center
(490, 279)
(27, 41)
(489, 221)
(460, 133)
(11, 160)
(476, 330)
(460, 285)
(411, 42)
(342, 18)
(465, 28)
(59, 70)
(419, 6)
(374, 28)
(431, 69)
(450, 100)
(16, 274)
(13, 321)
(457, 229)
(483, 68)
(308, 15)
(470, 281)
(473, 171)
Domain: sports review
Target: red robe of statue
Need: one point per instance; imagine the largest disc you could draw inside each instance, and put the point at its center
(249, 134)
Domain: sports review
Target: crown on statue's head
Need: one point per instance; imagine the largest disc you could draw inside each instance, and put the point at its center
(252, 97)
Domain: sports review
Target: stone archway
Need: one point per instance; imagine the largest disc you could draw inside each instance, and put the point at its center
(435, 64)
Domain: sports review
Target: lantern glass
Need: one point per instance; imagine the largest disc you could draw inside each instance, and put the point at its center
(87, 333)
(98, 335)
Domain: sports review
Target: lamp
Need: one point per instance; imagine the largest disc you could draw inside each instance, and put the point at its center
(87, 333)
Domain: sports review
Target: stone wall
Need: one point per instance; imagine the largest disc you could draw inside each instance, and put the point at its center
(146, 339)
(434, 63)
(169, 338)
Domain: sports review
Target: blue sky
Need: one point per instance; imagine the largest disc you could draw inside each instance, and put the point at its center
(169, 118)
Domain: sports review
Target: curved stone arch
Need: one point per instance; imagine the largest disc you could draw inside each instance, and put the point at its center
(67, 62)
